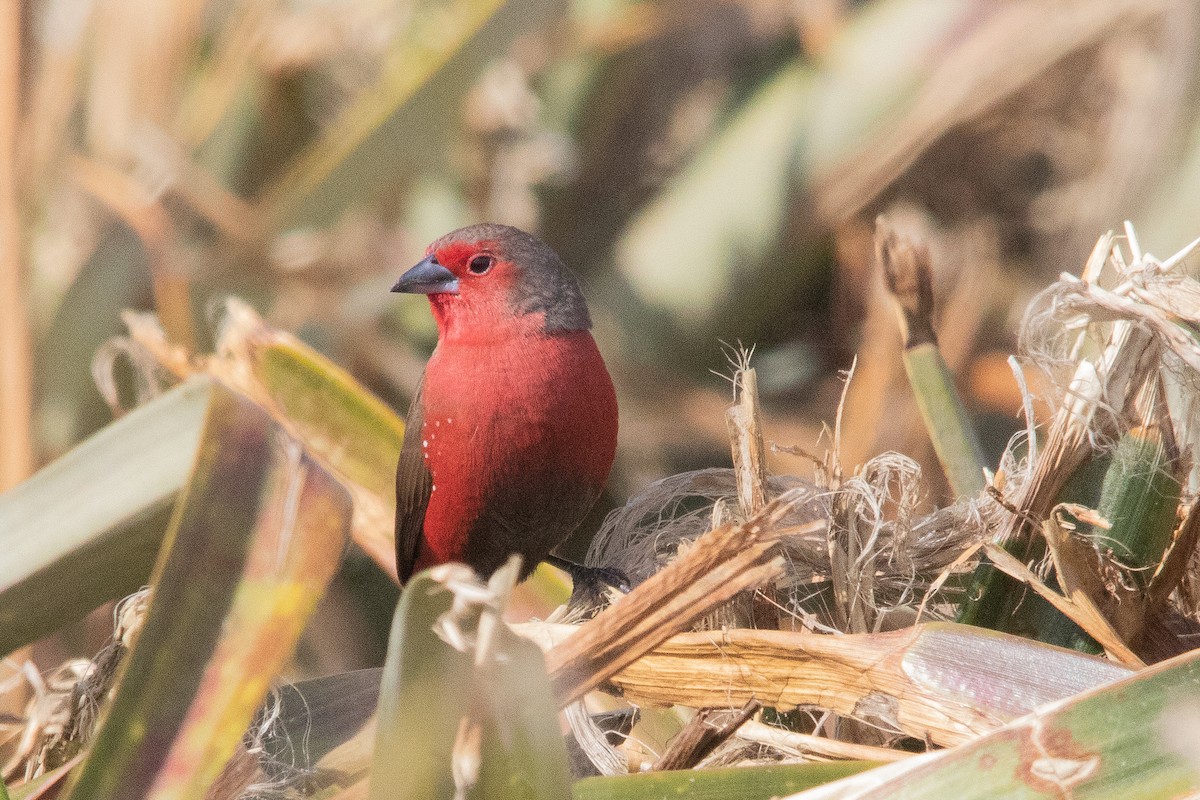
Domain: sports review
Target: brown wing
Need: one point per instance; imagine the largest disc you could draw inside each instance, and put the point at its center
(413, 484)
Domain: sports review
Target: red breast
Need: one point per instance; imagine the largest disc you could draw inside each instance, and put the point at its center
(502, 415)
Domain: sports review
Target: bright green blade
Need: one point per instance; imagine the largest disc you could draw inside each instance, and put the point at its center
(950, 428)
(253, 542)
(995, 600)
(353, 433)
(1139, 497)
(1136, 487)
(86, 529)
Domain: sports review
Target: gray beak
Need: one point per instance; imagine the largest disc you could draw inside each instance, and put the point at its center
(427, 277)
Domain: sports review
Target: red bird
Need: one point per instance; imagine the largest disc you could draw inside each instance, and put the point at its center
(513, 430)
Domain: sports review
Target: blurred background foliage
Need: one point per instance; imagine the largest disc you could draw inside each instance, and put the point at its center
(711, 168)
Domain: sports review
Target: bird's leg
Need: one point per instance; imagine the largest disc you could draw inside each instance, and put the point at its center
(592, 577)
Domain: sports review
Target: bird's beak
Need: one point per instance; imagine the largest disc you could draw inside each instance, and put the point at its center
(427, 277)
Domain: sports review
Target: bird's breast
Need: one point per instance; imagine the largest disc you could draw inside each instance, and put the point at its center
(512, 417)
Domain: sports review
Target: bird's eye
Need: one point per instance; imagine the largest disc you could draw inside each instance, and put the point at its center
(479, 265)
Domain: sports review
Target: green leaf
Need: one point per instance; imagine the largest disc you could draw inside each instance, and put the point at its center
(253, 542)
(743, 783)
(347, 429)
(425, 692)
(1139, 497)
(86, 528)
(343, 423)
(524, 754)
(995, 600)
(46, 785)
(950, 428)
(505, 699)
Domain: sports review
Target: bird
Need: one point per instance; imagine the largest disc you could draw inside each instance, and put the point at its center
(512, 431)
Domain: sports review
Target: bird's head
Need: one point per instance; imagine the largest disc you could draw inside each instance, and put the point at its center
(491, 281)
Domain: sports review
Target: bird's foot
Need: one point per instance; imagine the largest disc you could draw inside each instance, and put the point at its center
(591, 586)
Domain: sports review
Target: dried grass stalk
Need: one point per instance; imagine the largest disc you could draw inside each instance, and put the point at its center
(16, 354)
(1103, 305)
(704, 733)
(908, 274)
(858, 676)
(817, 748)
(935, 682)
(719, 565)
(746, 440)
(1088, 417)
(1174, 567)
(750, 470)
(1080, 569)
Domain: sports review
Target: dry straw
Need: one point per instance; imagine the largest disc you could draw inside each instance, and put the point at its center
(858, 552)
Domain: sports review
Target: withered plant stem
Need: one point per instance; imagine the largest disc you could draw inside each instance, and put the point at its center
(704, 733)
(718, 566)
(750, 471)
(16, 375)
(1173, 569)
(746, 441)
(816, 747)
(908, 276)
(938, 681)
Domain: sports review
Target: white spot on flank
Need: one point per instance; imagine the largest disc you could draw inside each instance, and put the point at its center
(432, 488)
(437, 423)
(424, 443)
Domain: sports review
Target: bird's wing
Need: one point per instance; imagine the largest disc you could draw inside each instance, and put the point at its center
(413, 485)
